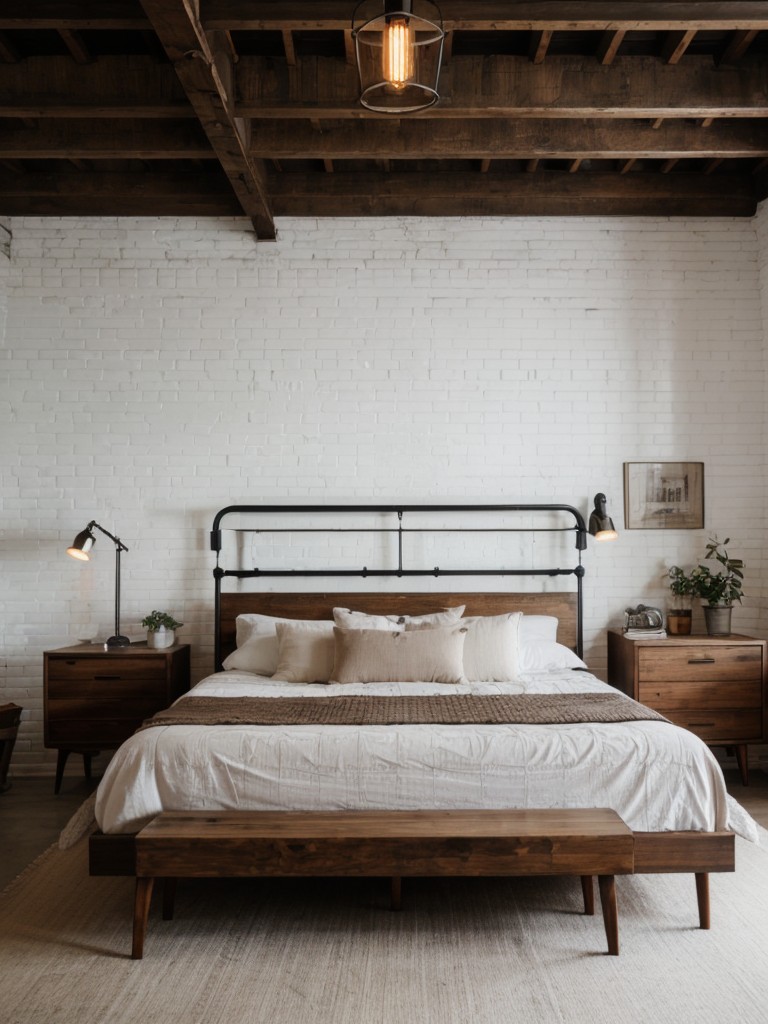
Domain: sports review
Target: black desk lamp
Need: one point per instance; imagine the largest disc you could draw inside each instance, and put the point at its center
(81, 547)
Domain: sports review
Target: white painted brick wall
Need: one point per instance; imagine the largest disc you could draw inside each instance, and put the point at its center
(154, 371)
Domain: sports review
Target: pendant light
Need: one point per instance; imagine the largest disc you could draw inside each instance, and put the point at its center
(399, 49)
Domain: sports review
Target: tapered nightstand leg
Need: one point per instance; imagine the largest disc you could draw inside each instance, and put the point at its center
(607, 884)
(588, 891)
(61, 761)
(742, 759)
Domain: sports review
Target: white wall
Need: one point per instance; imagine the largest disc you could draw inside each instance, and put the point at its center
(157, 370)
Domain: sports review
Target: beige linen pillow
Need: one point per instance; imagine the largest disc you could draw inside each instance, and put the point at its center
(348, 619)
(375, 655)
(304, 652)
(491, 647)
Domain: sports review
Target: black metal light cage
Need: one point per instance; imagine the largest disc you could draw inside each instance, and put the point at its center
(578, 528)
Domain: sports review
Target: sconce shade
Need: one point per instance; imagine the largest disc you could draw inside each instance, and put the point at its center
(399, 50)
(600, 523)
(82, 544)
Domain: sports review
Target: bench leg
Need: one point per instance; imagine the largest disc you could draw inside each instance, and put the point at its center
(395, 893)
(607, 884)
(702, 896)
(142, 899)
(169, 898)
(588, 890)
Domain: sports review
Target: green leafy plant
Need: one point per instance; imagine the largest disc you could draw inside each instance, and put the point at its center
(155, 620)
(681, 583)
(724, 586)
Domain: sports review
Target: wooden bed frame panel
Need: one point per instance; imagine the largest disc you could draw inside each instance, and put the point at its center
(660, 852)
(562, 604)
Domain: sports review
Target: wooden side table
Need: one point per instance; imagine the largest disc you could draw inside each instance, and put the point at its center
(94, 699)
(714, 686)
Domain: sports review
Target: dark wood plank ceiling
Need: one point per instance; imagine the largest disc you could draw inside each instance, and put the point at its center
(250, 107)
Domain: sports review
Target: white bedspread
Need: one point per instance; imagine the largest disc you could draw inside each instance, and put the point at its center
(656, 776)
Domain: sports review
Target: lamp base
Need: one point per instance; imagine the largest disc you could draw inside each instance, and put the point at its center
(118, 641)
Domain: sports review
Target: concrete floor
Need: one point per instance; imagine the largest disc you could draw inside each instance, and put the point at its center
(31, 815)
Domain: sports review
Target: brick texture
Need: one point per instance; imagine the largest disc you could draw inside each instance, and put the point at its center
(154, 371)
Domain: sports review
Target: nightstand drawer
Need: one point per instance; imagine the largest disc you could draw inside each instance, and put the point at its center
(110, 669)
(104, 686)
(71, 722)
(724, 693)
(700, 662)
(720, 726)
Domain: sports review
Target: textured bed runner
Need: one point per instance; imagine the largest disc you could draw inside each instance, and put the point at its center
(450, 709)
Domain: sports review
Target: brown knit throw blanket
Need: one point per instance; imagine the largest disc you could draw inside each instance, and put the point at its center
(443, 709)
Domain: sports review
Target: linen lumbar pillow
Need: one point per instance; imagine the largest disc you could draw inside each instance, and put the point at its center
(304, 652)
(348, 619)
(491, 647)
(375, 655)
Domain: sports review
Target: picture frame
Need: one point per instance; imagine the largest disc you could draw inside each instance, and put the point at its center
(664, 495)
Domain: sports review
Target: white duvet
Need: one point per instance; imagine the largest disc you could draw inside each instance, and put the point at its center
(656, 776)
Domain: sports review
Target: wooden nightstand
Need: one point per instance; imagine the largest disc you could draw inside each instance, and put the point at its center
(714, 686)
(95, 698)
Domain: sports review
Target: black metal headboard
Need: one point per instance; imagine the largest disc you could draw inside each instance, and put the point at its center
(578, 528)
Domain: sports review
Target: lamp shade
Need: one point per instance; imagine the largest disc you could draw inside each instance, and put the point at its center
(82, 545)
(399, 50)
(600, 523)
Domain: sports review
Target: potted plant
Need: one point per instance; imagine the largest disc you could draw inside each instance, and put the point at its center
(161, 629)
(680, 612)
(719, 589)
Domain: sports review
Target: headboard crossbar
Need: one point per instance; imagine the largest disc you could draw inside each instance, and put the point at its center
(224, 631)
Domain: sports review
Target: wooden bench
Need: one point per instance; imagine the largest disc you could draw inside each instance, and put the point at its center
(200, 844)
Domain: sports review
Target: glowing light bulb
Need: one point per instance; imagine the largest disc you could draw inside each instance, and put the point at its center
(399, 45)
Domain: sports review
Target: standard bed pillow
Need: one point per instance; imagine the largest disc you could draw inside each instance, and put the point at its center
(544, 655)
(538, 627)
(491, 647)
(257, 655)
(304, 652)
(252, 624)
(375, 655)
(348, 619)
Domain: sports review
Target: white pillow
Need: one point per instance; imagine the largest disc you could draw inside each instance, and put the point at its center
(538, 627)
(543, 655)
(430, 655)
(305, 652)
(347, 619)
(490, 648)
(252, 624)
(258, 655)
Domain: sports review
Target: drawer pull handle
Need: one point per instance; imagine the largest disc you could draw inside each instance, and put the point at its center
(701, 661)
(701, 725)
(106, 677)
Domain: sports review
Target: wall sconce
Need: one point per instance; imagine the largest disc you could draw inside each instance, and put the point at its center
(399, 50)
(600, 523)
(81, 547)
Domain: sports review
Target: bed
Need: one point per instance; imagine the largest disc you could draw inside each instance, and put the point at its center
(662, 780)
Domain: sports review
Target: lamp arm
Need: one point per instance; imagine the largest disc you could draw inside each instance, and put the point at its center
(120, 545)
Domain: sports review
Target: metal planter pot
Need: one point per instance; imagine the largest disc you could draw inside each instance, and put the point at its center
(718, 619)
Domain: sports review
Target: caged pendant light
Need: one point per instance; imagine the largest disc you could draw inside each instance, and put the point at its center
(399, 50)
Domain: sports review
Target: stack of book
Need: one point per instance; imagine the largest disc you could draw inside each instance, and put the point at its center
(645, 634)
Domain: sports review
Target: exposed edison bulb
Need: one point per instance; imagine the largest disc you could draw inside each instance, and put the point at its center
(399, 46)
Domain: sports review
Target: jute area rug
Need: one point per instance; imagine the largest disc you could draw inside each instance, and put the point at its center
(322, 951)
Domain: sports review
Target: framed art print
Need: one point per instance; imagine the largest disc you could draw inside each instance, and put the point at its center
(664, 495)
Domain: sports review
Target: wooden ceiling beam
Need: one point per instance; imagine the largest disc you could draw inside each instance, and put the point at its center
(610, 43)
(487, 15)
(205, 68)
(76, 45)
(736, 47)
(545, 193)
(68, 140)
(499, 139)
(675, 45)
(507, 86)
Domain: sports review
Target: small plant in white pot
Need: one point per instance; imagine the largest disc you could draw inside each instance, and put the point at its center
(161, 629)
